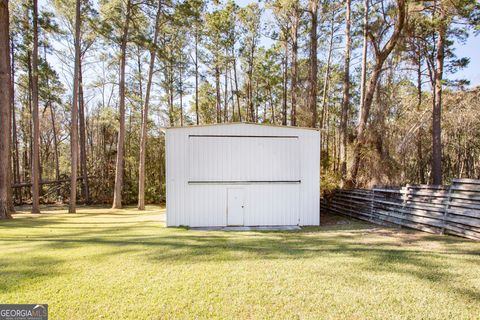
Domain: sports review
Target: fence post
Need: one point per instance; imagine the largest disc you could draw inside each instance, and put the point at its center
(372, 200)
(447, 206)
(404, 193)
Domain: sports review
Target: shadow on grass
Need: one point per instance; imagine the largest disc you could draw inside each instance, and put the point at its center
(27, 269)
(148, 240)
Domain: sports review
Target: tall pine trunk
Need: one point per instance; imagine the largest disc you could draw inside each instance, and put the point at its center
(49, 105)
(437, 108)
(16, 154)
(169, 89)
(83, 142)
(218, 97)
(346, 95)
(181, 95)
(293, 110)
(144, 129)
(232, 93)
(74, 124)
(272, 106)
(312, 97)
(225, 93)
(285, 81)
(196, 78)
(251, 61)
(119, 167)
(5, 107)
(55, 146)
(236, 84)
(421, 168)
(327, 72)
(364, 55)
(27, 129)
(35, 116)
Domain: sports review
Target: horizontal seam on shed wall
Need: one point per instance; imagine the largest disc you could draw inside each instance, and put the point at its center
(236, 136)
(244, 182)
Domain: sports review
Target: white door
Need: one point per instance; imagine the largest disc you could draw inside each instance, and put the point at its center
(235, 206)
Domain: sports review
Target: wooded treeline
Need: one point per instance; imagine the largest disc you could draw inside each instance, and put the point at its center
(86, 88)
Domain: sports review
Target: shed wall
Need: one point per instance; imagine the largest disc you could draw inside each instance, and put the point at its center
(277, 203)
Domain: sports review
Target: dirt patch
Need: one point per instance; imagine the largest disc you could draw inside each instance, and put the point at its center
(402, 236)
(329, 219)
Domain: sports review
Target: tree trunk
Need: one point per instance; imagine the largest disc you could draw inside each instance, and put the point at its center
(248, 109)
(365, 112)
(49, 105)
(119, 168)
(27, 129)
(11, 207)
(346, 95)
(83, 143)
(327, 138)
(74, 124)
(225, 107)
(55, 147)
(169, 76)
(437, 108)
(380, 56)
(293, 110)
(421, 168)
(196, 77)
(250, 85)
(236, 84)
(327, 72)
(16, 155)
(218, 98)
(364, 55)
(9, 87)
(5, 107)
(312, 99)
(181, 96)
(28, 155)
(255, 101)
(231, 92)
(285, 82)
(35, 116)
(144, 129)
(272, 107)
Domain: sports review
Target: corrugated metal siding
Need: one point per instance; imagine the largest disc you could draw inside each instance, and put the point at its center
(310, 187)
(266, 204)
(243, 159)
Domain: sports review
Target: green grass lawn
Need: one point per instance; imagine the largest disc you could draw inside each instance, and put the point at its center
(124, 264)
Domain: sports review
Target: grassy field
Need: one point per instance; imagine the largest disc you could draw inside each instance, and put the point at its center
(123, 264)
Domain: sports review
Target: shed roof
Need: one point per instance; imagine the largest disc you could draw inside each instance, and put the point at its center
(242, 123)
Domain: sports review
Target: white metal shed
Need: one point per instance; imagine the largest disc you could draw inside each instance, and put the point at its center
(242, 174)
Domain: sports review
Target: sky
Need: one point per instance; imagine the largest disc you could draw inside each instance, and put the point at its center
(471, 49)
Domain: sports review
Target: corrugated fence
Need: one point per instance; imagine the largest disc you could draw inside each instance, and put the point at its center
(453, 209)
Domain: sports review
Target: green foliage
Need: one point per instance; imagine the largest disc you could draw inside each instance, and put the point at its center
(220, 32)
(329, 181)
(206, 102)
